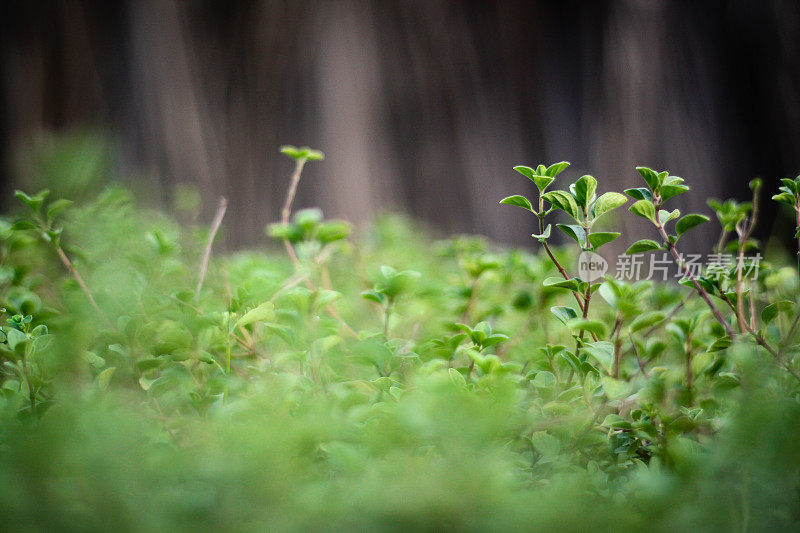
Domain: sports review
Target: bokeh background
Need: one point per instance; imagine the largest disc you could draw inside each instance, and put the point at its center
(421, 106)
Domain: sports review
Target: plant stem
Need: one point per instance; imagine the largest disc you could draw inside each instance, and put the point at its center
(617, 347)
(553, 258)
(703, 294)
(386, 316)
(67, 263)
(797, 222)
(287, 205)
(638, 359)
(285, 212)
(471, 300)
(215, 224)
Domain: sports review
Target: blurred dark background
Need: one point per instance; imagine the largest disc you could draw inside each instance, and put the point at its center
(420, 105)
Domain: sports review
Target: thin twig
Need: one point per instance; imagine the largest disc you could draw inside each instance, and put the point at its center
(703, 294)
(223, 206)
(638, 358)
(75, 274)
(285, 213)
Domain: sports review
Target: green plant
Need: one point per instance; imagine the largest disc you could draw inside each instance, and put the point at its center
(461, 388)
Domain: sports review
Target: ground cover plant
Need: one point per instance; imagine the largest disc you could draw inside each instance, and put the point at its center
(391, 381)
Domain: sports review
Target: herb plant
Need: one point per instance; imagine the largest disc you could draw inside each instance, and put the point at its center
(387, 381)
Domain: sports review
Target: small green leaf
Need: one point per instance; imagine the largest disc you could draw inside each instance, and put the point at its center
(542, 182)
(608, 202)
(528, 172)
(57, 207)
(644, 245)
(556, 168)
(665, 216)
(646, 320)
(640, 193)
(263, 313)
(615, 421)
(785, 198)
(593, 326)
(564, 201)
(306, 153)
(373, 296)
(577, 233)
(457, 377)
(688, 222)
(602, 352)
(644, 209)
(719, 344)
(14, 337)
(546, 444)
(670, 191)
(571, 284)
(519, 201)
(563, 313)
(596, 240)
(585, 189)
(650, 177)
(104, 378)
(544, 235)
(544, 379)
(790, 184)
(771, 311)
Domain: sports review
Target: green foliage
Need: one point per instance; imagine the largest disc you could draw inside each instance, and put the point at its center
(464, 387)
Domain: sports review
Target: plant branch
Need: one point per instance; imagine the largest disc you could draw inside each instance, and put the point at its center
(215, 224)
(703, 294)
(78, 278)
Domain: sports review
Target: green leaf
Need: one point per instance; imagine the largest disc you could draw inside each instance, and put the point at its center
(544, 379)
(785, 198)
(308, 218)
(615, 421)
(602, 352)
(593, 326)
(263, 313)
(585, 189)
(644, 209)
(646, 320)
(670, 191)
(57, 207)
(457, 377)
(650, 177)
(556, 168)
(644, 245)
(688, 222)
(719, 344)
(790, 184)
(544, 235)
(596, 240)
(333, 230)
(771, 311)
(104, 378)
(14, 337)
(546, 444)
(564, 201)
(33, 202)
(571, 284)
(665, 216)
(577, 233)
(640, 193)
(608, 202)
(542, 182)
(519, 201)
(564, 313)
(528, 172)
(306, 153)
(616, 388)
